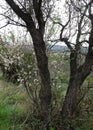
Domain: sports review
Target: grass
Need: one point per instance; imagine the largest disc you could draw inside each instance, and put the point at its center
(13, 106)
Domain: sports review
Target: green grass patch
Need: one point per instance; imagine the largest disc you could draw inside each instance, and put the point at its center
(13, 106)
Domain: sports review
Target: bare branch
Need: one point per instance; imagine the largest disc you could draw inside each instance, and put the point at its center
(84, 41)
(77, 46)
(64, 26)
(39, 14)
(56, 22)
(55, 40)
(90, 10)
(24, 16)
(4, 25)
(65, 40)
(13, 22)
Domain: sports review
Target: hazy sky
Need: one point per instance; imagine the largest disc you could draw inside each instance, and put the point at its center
(19, 30)
(3, 8)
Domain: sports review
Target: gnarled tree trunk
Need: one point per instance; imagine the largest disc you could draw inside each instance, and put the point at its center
(77, 77)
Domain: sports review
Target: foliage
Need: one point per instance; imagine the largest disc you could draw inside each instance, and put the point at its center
(20, 67)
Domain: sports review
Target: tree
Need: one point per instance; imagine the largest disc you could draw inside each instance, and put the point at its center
(77, 31)
(34, 16)
(80, 25)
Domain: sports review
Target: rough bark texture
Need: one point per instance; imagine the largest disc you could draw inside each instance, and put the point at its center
(77, 77)
(42, 62)
(73, 89)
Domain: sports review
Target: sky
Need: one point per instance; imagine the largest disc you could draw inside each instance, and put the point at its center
(19, 31)
(3, 7)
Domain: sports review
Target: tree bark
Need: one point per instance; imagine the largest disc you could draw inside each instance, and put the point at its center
(77, 77)
(75, 81)
(42, 62)
(71, 99)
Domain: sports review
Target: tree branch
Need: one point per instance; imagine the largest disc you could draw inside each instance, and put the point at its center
(39, 15)
(67, 43)
(24, 16)
(77, 46)
(4, 25)
(14, 22)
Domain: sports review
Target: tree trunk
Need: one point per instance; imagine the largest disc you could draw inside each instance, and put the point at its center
(71, 99)
(42, 62)
(77, 77)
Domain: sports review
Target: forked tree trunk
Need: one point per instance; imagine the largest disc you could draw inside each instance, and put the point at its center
(77, 77)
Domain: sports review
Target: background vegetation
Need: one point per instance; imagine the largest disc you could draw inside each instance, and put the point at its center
(18, 109)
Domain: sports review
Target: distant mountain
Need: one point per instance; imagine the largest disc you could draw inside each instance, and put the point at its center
(84, 49)
(59, 48)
